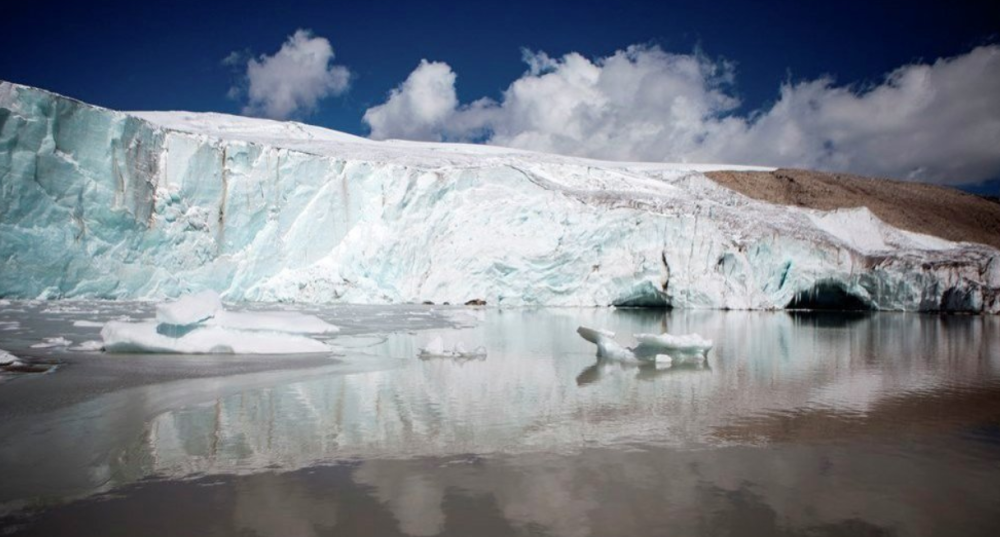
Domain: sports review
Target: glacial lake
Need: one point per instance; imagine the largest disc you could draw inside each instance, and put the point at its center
(797, 424)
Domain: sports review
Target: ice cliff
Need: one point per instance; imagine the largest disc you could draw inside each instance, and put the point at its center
(99, 203)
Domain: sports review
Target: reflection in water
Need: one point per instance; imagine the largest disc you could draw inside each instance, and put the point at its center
(822, 424)
(643, 370)
(797, 489)
(292, 508)
(767, 369)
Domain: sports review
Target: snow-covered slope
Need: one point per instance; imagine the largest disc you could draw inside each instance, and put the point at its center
(99, 203)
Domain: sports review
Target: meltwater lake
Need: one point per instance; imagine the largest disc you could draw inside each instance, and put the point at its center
(797, 424)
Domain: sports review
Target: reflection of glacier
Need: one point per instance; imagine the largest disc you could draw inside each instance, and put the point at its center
(525, 397)
(781, 490)
(98, 203)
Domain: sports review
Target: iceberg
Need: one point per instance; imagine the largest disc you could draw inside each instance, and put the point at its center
(198, 324)
(97, 203)
(661, 349)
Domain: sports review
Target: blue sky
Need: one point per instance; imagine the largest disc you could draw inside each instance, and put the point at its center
(168, 55)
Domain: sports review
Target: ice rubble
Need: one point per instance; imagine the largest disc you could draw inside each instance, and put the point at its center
(198, 324)
(11, 366)
(159, 203)
(662, 349)
(51, 342)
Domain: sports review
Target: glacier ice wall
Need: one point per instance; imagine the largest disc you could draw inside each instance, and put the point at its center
(98, 203)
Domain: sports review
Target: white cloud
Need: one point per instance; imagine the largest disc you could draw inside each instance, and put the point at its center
(292, 81)
(419, 108)
(935, 122)
(425, 107)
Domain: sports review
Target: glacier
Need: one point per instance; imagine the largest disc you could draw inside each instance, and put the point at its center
(96, 203)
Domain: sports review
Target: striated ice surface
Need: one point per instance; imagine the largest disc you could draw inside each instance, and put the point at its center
(153, 205)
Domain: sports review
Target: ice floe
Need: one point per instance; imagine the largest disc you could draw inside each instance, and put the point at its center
(198, 324)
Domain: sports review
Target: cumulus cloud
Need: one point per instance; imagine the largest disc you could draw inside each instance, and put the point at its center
(419, 108)
(291, 82)
(935, 121)
(425, 107)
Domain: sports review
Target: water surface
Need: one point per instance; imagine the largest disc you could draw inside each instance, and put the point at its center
(817, 424)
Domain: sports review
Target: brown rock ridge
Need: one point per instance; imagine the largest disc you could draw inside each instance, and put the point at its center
(930, 209)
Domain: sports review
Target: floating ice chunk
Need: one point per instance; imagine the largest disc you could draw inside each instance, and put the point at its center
(8, 362)
(685, 344)
(11, 366)
(87, 324)
(50, 342)
(189, 309)
(146, 338)
(88, 346)
(9, 325)
(197, 324)
(435, 349)
(595, 335)
(661, 349)
(607, 347)
(7, 359)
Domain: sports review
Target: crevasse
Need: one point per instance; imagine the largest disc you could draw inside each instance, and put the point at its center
(99, 203)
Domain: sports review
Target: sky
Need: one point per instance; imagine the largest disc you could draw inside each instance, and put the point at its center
(906, 90)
